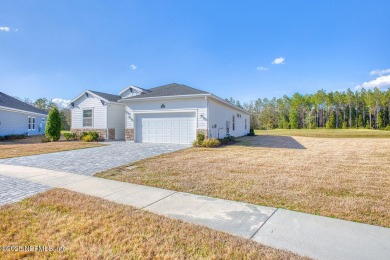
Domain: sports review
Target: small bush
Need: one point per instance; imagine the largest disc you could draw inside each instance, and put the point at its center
(251, 132)
(211, 142)
(44, 139)
(228, 139)
(87, 138)
(387, 128)
(195, 143)
(200, 138)
(70, 136)
(94, 136)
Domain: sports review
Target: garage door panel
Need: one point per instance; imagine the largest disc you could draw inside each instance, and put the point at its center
(166, 127)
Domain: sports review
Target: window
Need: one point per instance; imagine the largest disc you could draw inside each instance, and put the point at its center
(87, 118)
(31, 123)
(234, 123)
(245, 123)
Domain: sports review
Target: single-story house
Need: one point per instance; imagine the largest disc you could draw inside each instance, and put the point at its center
(17, 117)
(172, 113)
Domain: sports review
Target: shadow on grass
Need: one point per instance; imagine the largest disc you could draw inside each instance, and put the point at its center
(271, 141)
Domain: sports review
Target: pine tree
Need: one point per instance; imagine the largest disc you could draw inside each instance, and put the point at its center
(331, 123)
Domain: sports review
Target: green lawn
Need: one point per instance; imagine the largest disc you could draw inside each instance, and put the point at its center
(338, 133)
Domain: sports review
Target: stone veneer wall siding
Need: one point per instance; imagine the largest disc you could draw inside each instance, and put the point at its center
(111, 133)
(102, 132)
(129, 134)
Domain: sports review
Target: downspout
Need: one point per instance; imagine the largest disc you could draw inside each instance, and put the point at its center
(107, 137)
(207, 117)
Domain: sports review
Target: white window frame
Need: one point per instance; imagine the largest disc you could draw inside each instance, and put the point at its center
(31, 123)
(92, 112)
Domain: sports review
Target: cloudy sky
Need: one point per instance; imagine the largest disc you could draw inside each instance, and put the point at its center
(240, 49)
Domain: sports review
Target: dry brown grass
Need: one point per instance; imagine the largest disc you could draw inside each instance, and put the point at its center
(16, 149)
(93, 228)
(346, 178)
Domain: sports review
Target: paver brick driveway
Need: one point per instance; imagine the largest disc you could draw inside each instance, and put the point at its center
(92, 160)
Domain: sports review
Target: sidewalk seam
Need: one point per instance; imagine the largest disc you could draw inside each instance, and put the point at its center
(257, 231)
(159, 200)
(115, 192)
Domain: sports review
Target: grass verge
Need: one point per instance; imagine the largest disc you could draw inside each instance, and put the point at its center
(334, 133)
(9, 150)
(347, 178)
(93, 228)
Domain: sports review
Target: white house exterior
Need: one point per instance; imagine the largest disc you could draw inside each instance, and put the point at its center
(100, 112)
(171, 113)
(17, 117)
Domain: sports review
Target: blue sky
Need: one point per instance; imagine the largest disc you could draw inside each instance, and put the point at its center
(60, 48)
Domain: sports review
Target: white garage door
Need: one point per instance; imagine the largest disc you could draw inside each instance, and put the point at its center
(176, 128)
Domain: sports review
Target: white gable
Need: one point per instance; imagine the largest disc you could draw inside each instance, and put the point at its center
(130, 91)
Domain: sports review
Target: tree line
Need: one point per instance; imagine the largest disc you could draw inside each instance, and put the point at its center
(46, 105)
(340, 109)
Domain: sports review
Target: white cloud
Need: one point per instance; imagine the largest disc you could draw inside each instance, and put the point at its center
(380, 72)
(133, 67)
(261, 68)
(379, 82)
(61, 103)
(5, 28)
(278, 61)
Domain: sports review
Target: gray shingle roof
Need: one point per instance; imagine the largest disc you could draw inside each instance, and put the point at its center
(11, 102)
(172, 89)
(109, 97)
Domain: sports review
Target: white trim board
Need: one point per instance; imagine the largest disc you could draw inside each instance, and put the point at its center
(21, 111)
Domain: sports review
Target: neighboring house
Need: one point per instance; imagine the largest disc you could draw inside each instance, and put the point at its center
(171, 113)
(17, 117)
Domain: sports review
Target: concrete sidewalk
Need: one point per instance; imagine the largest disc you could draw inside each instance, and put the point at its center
(305, 234)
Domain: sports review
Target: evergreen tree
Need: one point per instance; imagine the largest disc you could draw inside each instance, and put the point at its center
(53, 125)
(331, 123)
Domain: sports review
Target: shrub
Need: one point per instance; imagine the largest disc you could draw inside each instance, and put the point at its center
(70, 136)
(44, 139)
(228, 139)
(53, 125)
(87, 138)
(200, 138)
(251, 132)
(344, 125)
(387, 128)
(195, 143)
(211, 142)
